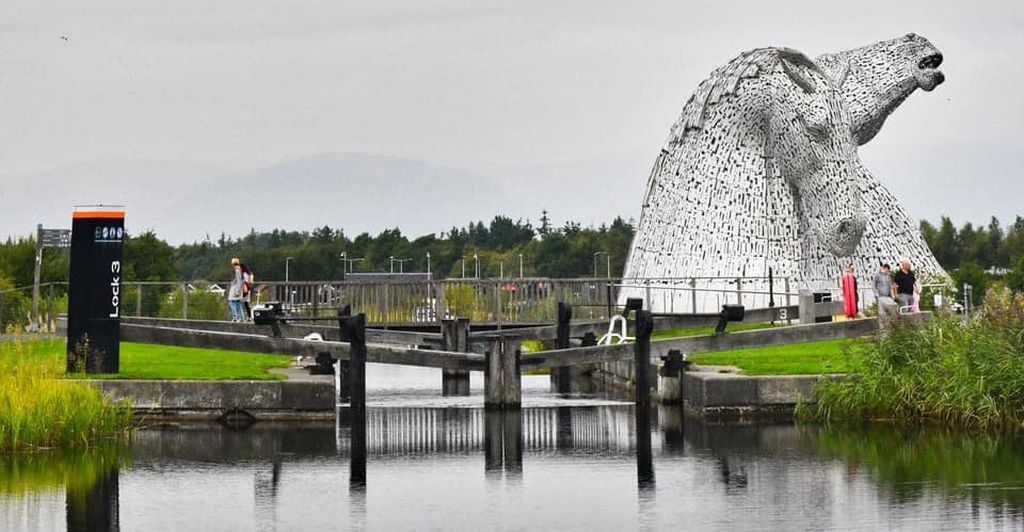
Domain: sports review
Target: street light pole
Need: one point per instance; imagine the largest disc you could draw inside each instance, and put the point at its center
(596, 254)
(428, 265)
(463, 266)
(476, 265)
(287, 286)
(608, 272)
(392, 257)
(520, 265)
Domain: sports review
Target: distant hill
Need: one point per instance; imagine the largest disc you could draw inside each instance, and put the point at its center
(48, 197)
(184, 202)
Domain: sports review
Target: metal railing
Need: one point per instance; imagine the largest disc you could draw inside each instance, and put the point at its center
(494, 300)
(686, 295)
(399, 299)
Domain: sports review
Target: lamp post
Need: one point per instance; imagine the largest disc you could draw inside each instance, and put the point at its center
(476, 265)
(287, 287)
(428, 265)
(608, 260)
(520, 265)
(501, 269)
(401, 265)
(392, 258)
(352, 264)
(463, 266)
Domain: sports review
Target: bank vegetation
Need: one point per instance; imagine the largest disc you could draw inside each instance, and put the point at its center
(39, 409)
(957, 372)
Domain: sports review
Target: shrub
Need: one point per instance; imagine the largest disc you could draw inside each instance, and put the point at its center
(14, 305)
(951, 371)
(202, 305)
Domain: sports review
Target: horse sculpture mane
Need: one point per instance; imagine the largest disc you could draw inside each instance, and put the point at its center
(760, 171)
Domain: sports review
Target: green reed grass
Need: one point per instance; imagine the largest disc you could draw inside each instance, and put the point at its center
(71, 469)
(38, 409)
(949, 371)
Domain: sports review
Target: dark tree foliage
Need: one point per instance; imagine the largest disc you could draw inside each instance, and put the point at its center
(989, 246)
(500, 246)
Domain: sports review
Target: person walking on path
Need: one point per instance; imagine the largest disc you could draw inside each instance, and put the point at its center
(247, 281)
(883, 289)
(235, 291)
(904, 285)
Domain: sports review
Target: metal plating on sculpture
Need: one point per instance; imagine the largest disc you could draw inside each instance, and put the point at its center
(761, 171)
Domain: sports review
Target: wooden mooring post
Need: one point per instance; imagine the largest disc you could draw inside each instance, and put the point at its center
(455, 337)
(642, 356)
(561, 378)
(502, 387)
(353, 331)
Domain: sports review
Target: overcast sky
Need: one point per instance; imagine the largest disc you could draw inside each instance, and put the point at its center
(576, 93)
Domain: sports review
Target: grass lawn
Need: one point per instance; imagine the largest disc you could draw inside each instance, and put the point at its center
(809, 358)
(699, 331)
(148, 361)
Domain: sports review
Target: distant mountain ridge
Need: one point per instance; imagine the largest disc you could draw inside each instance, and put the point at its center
(184, 202)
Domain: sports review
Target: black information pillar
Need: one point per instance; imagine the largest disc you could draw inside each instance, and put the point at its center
(94, 293)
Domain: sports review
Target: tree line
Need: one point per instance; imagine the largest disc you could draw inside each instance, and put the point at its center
(492, 248)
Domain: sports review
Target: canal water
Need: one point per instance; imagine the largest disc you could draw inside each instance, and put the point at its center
(427, 462)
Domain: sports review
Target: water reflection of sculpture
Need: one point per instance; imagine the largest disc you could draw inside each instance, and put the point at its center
(761, 171)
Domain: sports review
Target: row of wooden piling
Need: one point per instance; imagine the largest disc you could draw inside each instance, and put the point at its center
(502, 369)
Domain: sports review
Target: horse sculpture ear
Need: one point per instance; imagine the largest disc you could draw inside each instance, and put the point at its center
(798, 76)
(840, 76)
(797, 66)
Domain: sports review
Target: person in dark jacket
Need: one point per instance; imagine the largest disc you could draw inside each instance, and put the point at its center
(904, 283)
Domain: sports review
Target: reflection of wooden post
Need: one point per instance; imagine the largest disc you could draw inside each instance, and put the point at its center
(455, 337)
(493, 451)
(95, 507)
(512, 441)
(357, 451)
(563, 427)
(503, 442)
(502, 389)
(644, 456)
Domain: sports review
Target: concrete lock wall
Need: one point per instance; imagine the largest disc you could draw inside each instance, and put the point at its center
(712, 392)
(261, 399)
